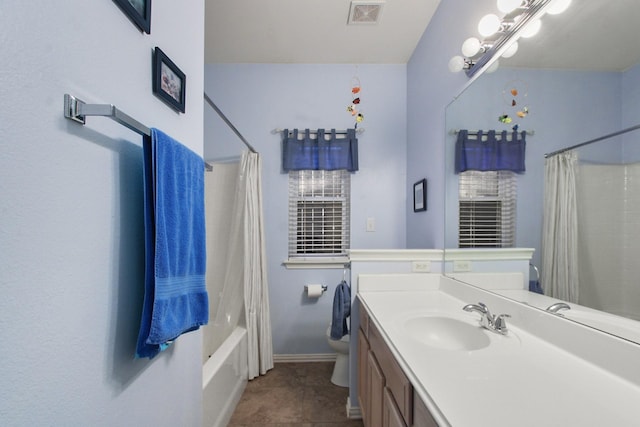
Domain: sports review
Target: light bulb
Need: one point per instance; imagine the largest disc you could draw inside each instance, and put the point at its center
(531, 29)
(494, 66)
(507, 6)
(488, 25)
(558, 6)
(471, 47)
(456, 64)
(511, 50)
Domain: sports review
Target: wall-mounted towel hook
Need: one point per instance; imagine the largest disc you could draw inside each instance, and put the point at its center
(344, 273)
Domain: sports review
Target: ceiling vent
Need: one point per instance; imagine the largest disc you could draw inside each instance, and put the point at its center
(365, 12)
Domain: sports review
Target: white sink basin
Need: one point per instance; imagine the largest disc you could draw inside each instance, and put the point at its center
(447, 333)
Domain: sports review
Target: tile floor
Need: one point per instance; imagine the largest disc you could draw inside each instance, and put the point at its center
(294, 395)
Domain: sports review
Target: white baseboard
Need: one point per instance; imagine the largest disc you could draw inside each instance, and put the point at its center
(353, 412)
(302, 358)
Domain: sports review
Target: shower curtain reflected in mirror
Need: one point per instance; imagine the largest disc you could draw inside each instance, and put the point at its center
(590, 245)
(560, 276)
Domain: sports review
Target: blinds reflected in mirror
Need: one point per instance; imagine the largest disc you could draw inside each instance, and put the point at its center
(487, 209)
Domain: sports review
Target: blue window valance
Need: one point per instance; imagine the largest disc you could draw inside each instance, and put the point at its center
(488, 152)
(324, 150)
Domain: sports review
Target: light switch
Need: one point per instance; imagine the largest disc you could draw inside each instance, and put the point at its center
(371, 224)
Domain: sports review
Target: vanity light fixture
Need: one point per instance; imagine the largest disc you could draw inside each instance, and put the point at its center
(508, 6)
(521, 19)
(532, 29)
(489, 25)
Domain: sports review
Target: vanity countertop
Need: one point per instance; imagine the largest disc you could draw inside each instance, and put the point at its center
(517, 380)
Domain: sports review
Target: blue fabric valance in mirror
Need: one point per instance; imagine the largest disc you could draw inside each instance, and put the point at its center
(488, 152)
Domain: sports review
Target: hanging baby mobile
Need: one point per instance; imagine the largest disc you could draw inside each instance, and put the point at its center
(514, 95)
(354, 107)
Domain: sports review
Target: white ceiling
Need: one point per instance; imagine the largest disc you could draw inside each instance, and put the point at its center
(591, 34)
(312, 31)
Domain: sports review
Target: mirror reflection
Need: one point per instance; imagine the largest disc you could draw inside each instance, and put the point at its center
(577, 80)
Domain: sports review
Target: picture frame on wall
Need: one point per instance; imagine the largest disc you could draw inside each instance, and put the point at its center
(138, 11)
(169, 82)
(420, 196)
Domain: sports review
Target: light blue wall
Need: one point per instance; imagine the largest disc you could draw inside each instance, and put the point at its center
(258, 98)
(71, 234)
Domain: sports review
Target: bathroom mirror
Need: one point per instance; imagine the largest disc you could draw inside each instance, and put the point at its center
(576, 80)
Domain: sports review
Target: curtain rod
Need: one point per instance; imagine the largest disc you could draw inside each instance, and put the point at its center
(228, 122)
(77, 110)
(339, 132)
(591, 141)
(475, 132)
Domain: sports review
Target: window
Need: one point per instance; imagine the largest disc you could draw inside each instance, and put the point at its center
(487, 209)
(319, 211)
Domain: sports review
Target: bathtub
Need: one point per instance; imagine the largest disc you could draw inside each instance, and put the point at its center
(224, 377)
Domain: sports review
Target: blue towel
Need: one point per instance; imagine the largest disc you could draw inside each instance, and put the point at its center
(534, 286)
(341, 310)
(175, 298)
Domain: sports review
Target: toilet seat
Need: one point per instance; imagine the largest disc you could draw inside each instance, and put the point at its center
(343, 339)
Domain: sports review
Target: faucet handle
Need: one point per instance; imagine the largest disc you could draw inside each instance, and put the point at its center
(499, 324)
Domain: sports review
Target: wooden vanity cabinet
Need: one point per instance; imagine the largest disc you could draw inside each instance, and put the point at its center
(421, 415)
(385, 393)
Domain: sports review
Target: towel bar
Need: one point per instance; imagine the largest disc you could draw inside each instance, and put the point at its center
(77, 110)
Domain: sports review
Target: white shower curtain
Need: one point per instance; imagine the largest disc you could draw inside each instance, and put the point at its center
(246, 266)
(560, 228)
(256, 291)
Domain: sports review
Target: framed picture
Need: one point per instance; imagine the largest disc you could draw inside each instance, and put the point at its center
(169, 83)
(138, 11)
(420, 196)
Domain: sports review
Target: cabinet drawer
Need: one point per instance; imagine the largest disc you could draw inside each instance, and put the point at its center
(396, 380)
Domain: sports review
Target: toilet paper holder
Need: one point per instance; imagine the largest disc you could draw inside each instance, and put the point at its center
(307, 288)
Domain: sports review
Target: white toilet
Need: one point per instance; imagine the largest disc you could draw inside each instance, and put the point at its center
(340, 376)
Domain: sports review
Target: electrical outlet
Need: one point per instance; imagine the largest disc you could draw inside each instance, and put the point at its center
(460, 266)
(421, 266)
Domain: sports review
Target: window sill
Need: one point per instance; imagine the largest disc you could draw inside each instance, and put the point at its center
(320, 262)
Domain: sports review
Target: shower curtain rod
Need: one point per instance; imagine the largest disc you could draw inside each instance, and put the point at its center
(591, 141)
(224, 118)
(339, 132)
(77, 110)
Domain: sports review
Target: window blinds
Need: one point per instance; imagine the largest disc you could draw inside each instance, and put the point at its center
(319, 212)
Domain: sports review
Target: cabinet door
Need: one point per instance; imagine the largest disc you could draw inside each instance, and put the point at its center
(363, 376)
(421, 415)
(376, 391)
(398, 383)
(391, 416)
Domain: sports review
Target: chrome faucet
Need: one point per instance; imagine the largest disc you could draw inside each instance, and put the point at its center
(554, 308)
(488, 320)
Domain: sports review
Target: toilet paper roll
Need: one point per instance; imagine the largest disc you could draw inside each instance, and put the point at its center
(314, 291)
